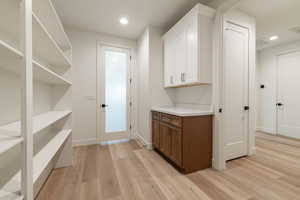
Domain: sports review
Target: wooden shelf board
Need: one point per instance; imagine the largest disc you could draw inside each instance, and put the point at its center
(45, 10)
(40, 160)
(45, 47)
(40, 122)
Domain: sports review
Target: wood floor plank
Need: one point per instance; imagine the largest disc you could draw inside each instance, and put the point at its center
(188, 189)
(129, 189)
(51, 190)
(89, 190)
(155, 164)
(134, 145)
(208, 187)
(90, 170)
(229, 188)
(74, 173)
(126, 171)
(149, 189)
(259, 169)
(278, 139)
(109, 184)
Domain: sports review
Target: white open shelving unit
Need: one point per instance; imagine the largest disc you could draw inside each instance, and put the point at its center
(40, 161)
(40, 122)
(35, 72)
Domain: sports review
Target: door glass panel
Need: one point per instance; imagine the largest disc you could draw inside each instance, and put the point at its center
(115, 91)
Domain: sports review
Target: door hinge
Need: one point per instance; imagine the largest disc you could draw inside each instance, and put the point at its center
(130, 127)
(130, 57)
(130, 80)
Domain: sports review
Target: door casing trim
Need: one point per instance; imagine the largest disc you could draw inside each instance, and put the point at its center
(99, 134)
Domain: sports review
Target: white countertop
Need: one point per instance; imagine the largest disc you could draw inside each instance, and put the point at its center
(183, 112)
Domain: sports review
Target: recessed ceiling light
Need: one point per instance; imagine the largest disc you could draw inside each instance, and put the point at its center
(124, 20)
(274, 37)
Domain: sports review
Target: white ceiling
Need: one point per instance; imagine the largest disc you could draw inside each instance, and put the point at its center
(103, 15)
(274, 17)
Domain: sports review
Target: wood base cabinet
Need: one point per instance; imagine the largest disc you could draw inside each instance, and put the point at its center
(185, 141)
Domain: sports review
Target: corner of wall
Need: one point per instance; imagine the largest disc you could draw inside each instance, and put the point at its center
(142, 141)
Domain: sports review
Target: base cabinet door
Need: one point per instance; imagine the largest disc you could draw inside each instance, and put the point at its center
(176, 146)
(184, 141)
(155, 131)
(165, 139)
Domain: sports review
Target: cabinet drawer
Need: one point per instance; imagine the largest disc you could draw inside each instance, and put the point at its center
(155, 115)
(171, 119)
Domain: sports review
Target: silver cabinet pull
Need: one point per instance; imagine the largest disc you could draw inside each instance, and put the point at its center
(182, 77)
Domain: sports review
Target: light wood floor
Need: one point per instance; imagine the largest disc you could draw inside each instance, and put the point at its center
(127, 172)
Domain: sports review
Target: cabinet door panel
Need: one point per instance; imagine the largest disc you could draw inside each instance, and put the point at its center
(191, 68)
(180, 54)
(155, 133)
(165, 140)
(176, 146)
(169, 61)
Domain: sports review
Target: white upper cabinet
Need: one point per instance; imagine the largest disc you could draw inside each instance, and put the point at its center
(188, 49)
(169, 61)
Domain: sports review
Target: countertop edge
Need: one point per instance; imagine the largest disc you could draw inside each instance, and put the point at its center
(202, 113)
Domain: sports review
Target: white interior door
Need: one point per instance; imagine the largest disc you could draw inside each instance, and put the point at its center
(235, 90)
(114, 96)
(288, 98)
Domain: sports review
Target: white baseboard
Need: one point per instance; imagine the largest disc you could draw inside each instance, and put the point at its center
(142, 141)
(218, 166)
(114, 142)
(87, 142)
(266, 130)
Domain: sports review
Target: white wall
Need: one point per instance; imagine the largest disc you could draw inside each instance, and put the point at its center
(266, 98)
(85, 82)
(144, 103)
(197, 95)
(159, 95)
(151, 91)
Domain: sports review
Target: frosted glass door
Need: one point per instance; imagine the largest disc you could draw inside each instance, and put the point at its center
(116, 67)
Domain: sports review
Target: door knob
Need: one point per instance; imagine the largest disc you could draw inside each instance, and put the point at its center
(104, 105)
(246, 107)
(279, 104)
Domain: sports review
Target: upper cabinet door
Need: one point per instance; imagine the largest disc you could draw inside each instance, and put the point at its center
(192, 66)
(180, 54)
(188, 49)
(169, 53)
